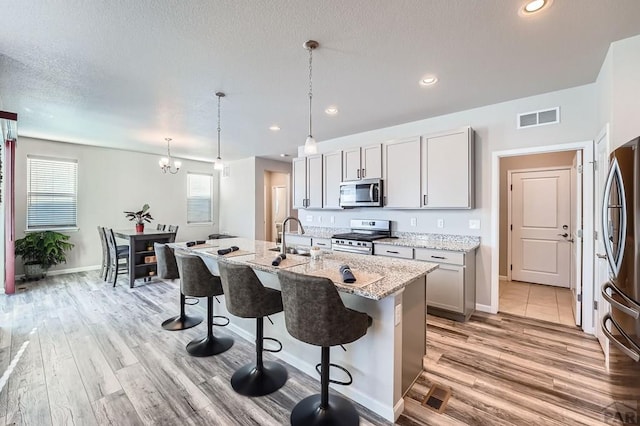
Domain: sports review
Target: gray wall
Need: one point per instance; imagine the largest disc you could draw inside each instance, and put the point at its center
(111, 181)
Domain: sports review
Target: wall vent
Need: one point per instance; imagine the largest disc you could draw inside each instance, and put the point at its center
(539, 118)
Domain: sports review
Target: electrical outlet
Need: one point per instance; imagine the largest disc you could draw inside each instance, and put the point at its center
(440, 223)
(309, 218)
(398, 314)
(474, 223)
(333, 219)
(414, 221)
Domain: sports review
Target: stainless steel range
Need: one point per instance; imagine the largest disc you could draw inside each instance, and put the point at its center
(363, 233)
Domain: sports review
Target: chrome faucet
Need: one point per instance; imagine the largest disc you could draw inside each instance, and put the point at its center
(283, 249)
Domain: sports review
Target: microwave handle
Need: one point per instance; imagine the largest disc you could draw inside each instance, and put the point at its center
(371, 192)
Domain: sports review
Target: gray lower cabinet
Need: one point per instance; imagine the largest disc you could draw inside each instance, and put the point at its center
(451, 289)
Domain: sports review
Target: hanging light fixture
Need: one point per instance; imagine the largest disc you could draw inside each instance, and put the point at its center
(165, 163)
(218, 165)
(310, 146)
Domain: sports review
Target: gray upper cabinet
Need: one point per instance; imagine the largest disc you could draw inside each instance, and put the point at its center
(307, 182)
(362, 163)
(332, 176)
(448, 170)
(402, 173)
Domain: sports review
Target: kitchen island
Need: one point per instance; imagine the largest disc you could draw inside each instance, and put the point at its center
(385, 362)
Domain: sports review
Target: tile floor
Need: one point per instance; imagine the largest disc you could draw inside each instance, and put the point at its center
(538, 301)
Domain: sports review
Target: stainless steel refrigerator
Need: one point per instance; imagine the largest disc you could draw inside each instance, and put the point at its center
(621, 231)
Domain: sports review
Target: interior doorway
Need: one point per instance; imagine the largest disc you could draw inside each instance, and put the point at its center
(581, 234)
(276, 204)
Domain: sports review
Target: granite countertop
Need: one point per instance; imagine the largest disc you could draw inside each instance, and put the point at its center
(320, 232)
(396, 273)
(462, 243)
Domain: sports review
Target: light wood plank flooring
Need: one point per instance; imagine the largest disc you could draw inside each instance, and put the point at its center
(96, 355)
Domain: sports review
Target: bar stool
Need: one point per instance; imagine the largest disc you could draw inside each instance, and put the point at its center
(315, 314)
(197, 281)
(246, 297)
(168, 270)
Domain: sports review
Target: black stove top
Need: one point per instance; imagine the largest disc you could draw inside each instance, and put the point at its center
(359, 236)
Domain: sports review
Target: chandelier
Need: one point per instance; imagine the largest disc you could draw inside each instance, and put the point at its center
(166, 164)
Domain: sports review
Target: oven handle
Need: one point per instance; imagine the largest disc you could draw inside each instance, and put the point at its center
(351, 250)
(634, 351)
(632, 310)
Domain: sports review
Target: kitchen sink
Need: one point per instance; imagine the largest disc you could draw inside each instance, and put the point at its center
(294, 250)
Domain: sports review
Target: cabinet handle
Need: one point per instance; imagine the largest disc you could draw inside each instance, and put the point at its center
(384, 202)
(424, 199)
(321, 244)
(358, 173)
(363, 174)
(393, 252)
(438, 257)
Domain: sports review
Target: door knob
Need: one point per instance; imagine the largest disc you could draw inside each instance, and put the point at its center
(565, 235)
(601, 256)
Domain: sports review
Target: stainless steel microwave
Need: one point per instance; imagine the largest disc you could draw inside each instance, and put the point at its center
(361, 193)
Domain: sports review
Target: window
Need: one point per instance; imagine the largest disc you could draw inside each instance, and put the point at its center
(199, 198)
(52, 193)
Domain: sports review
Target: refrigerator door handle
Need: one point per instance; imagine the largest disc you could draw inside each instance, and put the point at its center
(632, 310)
(620, 207)
(633, 352)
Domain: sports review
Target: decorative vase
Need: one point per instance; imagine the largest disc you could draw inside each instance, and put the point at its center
(139, 227)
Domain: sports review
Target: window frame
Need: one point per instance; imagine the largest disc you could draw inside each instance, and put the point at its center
(211, 218)
(51, 227)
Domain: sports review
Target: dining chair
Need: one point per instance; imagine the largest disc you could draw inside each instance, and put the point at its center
(174, 229)
(104, 268)
(116, 253)
(160, 227)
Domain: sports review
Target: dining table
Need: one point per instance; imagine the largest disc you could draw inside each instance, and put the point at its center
(142, 263)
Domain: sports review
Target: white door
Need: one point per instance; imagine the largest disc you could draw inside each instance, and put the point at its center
(541, 221)
(601, 272)
(280, 210)
(576, 236)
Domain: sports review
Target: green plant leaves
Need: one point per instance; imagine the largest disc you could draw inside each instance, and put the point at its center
(44, 247)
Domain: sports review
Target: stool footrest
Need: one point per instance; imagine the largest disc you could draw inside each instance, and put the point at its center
(271, 339)
(221, 324)
(191, 300)
(337, 382)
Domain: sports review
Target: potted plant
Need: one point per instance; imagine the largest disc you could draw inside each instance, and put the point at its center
(140, 217)
(41, 250)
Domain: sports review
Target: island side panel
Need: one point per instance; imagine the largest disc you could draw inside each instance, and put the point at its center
(414, 313)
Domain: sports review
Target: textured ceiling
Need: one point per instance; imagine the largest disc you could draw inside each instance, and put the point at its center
(128, 73)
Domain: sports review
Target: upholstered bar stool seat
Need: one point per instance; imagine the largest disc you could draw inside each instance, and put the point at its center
(168, 270)
(315, 314)
(197, 281)
(246, 297)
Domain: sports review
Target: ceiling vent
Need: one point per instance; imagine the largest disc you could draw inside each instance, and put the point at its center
(539, 118)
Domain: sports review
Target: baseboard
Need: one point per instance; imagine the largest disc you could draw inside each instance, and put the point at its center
(485, 308)
(398, 408)
(503, 278)
(67, 271)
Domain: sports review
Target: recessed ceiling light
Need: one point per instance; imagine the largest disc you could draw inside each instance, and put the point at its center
(534, 6)
(331, 110)
(428, 81)
(274, 128)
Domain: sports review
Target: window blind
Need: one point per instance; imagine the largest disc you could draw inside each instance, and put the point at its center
(52, 193)
(199, 198)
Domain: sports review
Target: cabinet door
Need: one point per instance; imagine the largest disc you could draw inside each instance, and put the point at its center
(331, 176)
(402, 173)
(299, 166)
(371, 162)
(445, 288)
(448, 170)
(314, 182)
(351, 164)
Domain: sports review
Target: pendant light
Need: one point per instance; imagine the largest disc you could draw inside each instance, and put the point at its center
(310, 146)
(218, 165)
(165, 163)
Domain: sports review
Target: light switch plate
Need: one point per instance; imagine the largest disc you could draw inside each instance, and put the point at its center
(309, 218)
(398, 314)
(474, 223)
(414, 221)
(440, 223)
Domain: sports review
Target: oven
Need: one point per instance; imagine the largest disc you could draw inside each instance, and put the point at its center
(360, 239)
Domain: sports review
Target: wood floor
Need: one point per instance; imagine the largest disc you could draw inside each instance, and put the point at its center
(96, 355)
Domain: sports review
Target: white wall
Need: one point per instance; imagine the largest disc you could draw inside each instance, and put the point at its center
(626, 91)
(495, 129)
(111, 181)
